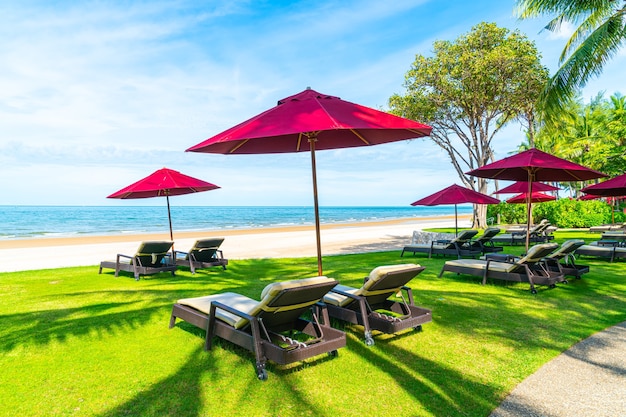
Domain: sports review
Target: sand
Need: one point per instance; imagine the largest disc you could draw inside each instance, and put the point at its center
(297, 241)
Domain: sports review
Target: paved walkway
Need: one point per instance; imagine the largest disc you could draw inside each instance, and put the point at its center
(587, 380)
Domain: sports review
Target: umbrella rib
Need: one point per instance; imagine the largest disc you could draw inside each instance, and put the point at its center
(365, 141)
(299, 142)
(239, 145)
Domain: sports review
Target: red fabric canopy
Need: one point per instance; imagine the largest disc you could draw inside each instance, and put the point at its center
(535, 165)
(522, 187)
(455, 194)
(335, 123)
(161, 183)
(536, 197)
(615, 187)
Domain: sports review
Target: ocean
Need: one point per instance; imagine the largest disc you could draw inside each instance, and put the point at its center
(26, 222)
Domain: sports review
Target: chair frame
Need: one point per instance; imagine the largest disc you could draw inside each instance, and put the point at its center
(193, 263)
(533, 272)
(137, 267)
(363, 309)
(255, 335)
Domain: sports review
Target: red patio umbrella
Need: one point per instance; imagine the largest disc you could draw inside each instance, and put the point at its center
(310, 121)
(536, 197)
(615, 187)
(522, 187)
(164, 183)
(455, 194)
(534, 165)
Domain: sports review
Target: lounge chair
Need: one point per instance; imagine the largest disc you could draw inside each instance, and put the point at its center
(529, 268)
(459, 246)
(563, 260)
(152, 257)
(607, 228)
(260, 326)
(371, 307)
(484, 243)
(204, 253)
(537, 234)
(600, 249)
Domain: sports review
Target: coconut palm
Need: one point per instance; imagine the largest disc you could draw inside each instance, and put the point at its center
(599, 36)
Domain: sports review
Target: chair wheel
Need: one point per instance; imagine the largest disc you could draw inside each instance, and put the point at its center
(369, 341)
(533, 291)
(333, 353)
(262, 375)
(418, 328)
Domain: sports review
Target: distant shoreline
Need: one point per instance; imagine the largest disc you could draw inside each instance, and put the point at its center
(131, 237)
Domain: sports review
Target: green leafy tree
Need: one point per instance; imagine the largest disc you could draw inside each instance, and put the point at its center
(468, 90)
(600, 34)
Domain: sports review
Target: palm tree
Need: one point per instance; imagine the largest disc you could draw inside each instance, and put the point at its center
(599, 36)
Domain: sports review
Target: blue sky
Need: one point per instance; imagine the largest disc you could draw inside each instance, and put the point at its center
(96, 95)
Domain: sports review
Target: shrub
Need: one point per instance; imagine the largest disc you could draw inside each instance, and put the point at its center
(564, 212)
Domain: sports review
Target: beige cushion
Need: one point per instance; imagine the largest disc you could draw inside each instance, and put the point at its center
(248, 305)
(374, 276)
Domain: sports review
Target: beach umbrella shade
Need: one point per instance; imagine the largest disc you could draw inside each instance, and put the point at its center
(455, 194)
(522, 187)
(615, 187)
(536, 197)
(534, 165)
(164, 182)
(310, 121)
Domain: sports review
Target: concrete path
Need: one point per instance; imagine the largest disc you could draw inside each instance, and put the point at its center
(587, 380)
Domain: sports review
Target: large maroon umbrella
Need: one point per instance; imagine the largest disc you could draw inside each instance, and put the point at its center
(534, 165)
(308, 121)
(455, 194)
(164, 183)
(615, 187)
(522, 187)
(536, 197)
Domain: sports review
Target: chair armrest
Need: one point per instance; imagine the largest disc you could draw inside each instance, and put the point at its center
(232, 310)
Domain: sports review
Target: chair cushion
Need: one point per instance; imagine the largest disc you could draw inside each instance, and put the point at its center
(231, 299)
(481, 265)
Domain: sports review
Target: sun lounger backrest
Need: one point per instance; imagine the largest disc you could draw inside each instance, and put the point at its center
(464, 237)
(151, 253)
(537, 253)
(290, 299)
(386, 280)
(567, 248)
(204, 249)
(488, 234)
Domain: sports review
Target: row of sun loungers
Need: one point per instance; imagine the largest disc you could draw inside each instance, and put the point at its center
(153, 257)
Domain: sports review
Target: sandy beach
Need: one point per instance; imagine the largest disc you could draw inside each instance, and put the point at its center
(297, 241)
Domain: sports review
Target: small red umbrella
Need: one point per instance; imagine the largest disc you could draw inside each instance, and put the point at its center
(534, 165)
(615, 187)
(310, 121)
(455, 194)
(522, 187)
(536, 197)
(164, 183)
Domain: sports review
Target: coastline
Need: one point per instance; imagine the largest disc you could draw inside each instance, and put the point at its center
(271, 242)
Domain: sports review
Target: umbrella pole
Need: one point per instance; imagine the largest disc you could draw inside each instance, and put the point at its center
(456, 223)
(312, 140)
(529, 207)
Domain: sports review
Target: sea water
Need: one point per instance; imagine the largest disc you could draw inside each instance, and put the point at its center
(24, 222)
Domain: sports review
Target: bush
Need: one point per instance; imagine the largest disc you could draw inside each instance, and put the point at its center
(564, 212)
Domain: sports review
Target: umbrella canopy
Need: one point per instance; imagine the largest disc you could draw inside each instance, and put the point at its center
(310, 121)
(164, 183)
(455, 194)
(522, 187)
(615, 187)
(534, 165)
(536, 197)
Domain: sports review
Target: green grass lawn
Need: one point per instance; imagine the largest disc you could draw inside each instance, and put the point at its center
(75, 343)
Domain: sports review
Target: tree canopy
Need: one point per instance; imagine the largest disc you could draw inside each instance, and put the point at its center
(469, 89)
